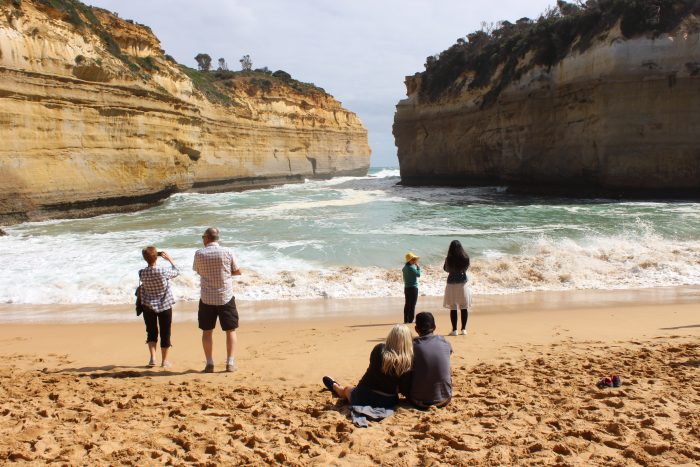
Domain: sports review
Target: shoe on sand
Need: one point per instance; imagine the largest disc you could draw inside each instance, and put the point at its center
(209, 368)
(166, 364)
(453, 333)
(328, 382)
(605, 383)
(151, 363)
(463, 332)
(231, 367)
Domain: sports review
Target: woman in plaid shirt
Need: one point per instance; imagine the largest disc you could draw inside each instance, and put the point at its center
(157, 299)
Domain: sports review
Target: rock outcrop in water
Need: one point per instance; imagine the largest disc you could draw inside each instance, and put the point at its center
(96, 118)
(601, 99)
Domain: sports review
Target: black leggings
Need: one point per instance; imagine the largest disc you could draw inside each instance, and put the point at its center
(409, 309)
(453, 318)
(152, 319)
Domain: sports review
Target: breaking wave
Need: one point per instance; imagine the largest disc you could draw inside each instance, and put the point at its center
(345, 237)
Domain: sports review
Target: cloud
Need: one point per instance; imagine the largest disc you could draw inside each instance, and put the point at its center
(357, 50)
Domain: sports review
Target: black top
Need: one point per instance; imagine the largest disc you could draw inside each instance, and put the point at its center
(456, 275)
(374, 378)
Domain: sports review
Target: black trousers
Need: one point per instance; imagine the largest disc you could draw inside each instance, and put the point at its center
(152, 320)
(409, 308)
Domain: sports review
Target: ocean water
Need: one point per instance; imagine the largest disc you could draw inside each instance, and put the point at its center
(346, 237)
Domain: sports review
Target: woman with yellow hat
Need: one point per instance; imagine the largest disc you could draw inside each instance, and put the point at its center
(411, 273)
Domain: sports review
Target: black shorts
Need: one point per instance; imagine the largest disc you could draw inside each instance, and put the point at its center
(227, 314)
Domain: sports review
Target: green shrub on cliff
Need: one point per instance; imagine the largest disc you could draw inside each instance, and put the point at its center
(83, 17)
(204, 82)
(283, 75)
(556, 33)
(75, 12)
(215, 85)
(265, 85)
(147, 63)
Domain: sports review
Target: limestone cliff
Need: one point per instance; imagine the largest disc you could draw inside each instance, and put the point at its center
(95, 118)
(585, 102)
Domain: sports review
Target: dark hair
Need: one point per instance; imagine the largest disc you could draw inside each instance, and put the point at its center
(425, 322)
(457, 259)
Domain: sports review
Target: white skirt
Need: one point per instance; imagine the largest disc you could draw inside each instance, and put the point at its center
(457, 297)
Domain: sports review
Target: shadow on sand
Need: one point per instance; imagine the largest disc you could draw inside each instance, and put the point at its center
(688, 363)
(116, 371)
(681, 327)
(370, 325)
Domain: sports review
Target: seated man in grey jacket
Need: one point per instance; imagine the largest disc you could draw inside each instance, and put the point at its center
(430, 382)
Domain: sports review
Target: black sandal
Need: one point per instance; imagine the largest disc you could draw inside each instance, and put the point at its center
(328, 382)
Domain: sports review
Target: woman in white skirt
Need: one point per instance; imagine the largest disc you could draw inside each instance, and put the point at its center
(457, 293)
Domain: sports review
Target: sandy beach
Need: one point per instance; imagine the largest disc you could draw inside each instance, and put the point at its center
(524, 386)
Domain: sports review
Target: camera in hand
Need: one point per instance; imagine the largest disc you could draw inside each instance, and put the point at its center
(160, 253)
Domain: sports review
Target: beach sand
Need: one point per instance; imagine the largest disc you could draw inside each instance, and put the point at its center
(524, 386)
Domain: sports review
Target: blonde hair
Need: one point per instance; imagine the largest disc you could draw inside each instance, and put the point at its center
(397, 356)
(150, 254)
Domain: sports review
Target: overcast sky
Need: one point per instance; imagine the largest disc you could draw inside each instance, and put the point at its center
(357, 50)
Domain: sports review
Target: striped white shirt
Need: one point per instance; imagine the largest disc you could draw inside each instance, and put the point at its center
(215, 266)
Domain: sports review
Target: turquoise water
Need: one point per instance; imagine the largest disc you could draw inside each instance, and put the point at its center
(346, 237)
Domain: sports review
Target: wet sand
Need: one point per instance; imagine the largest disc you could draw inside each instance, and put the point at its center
(524, 386)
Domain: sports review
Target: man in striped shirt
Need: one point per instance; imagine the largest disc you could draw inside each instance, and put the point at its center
(216, 267)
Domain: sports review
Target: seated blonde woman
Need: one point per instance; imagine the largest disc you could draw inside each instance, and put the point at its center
(388, 362)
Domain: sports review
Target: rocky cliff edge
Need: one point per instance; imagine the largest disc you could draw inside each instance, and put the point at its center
(596, 100)
(96, 118)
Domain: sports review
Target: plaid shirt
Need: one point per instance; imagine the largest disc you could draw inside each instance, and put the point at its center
(156, 293)
(215, 265)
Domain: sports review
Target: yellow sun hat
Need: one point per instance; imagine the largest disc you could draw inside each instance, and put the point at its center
(410, 255)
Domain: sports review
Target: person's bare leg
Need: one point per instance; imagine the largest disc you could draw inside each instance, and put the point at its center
(152, 351)
(164, 354)
(231, 339)
(343, 392)
(208, 345)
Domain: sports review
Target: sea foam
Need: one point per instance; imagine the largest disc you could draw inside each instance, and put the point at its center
(616, 262)
(346, 237)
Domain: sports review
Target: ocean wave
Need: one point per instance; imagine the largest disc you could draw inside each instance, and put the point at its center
(431, 231)
(616, 262)
(386, 173)
(603, 263)
(313, 239)
(345, 198)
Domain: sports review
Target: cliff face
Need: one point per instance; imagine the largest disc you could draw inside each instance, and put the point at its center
(621, 117)
(95, 118)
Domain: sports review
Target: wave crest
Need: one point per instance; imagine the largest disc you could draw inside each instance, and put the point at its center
(612, 263)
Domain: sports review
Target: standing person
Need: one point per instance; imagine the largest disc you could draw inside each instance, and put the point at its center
(157, 300)
(457, 293)
(388, 362)
(216, 267)
(430, 382)
(411, 273)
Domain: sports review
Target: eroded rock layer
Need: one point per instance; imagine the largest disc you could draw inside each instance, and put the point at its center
(620, 118)
(95, 118)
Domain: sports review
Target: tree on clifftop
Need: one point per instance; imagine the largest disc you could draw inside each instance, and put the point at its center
(223, 66)
(246, 63)
(203, 62)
